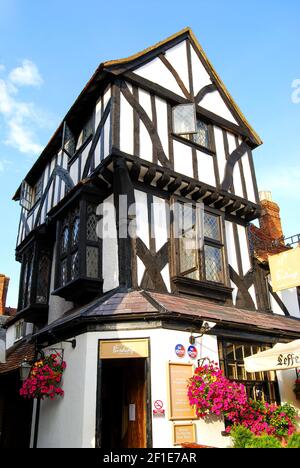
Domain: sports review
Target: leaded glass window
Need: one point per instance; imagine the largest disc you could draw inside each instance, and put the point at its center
(79, 250)
(260, 386)
(201, 137)
(38, 190)
(184, 119)
(43, 279)
(200, 249)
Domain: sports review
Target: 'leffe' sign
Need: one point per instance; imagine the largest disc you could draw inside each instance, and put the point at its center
(281, 357)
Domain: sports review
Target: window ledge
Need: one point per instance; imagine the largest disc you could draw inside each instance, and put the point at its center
(205, 289)
(80, 290)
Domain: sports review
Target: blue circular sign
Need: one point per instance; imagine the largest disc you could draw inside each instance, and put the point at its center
(180, 350)
(192, 352)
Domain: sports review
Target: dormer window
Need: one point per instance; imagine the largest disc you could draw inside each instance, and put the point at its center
(78, 267)
(186, 125)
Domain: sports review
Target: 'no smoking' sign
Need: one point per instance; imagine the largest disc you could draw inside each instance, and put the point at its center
(158, 408)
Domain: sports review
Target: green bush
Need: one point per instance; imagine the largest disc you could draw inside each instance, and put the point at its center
(264, 442)
(294, 441)
(241, 437)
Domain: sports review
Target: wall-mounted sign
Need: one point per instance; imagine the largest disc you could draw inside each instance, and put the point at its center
(179, 405)
(180, 350)
(118, 349)
(184, 434)
(158, 408)
(285, 269)
(192, 352)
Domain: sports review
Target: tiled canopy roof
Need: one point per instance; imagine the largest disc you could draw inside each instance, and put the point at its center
(152, 305)
(16, 355)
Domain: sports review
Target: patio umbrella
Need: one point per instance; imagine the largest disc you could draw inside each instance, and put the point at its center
(281, 357)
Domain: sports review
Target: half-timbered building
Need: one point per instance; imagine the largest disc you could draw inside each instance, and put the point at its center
(158, 143)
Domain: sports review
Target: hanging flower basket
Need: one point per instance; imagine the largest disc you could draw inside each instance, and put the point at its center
(45, 378)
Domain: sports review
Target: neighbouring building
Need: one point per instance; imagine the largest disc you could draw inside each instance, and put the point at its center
(15, 413)
(158, 129)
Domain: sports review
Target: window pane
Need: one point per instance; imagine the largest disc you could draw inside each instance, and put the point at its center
(212, 226)
(63, 273)
(91, 224)
(92, 262)
(239, 352)
(65, 240)
(74, 266)
(186, 230)
(202, 135)
(213, 264)
(184, 119)
(43, 280)
(75, 231)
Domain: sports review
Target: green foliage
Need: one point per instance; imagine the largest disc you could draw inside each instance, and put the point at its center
(294, 441)
(241, 436)
(264, 442)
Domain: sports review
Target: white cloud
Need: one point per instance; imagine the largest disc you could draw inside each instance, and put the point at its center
(26, 75)
(21, 118)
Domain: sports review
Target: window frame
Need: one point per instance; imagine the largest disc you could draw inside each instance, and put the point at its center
(220, 244)
(187, 138)
(264, 384)
(81, 287)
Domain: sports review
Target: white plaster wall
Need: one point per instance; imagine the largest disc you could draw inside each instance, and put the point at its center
(177, 56)
(157, 72)
(200, 76)
(126, 126)
(10, 336)
(221, 156)
(290, 299)
(214, 103)
(162, 123)
(206, 171)
(70, 421)
(243, 241)
(248, 178)
(110, 265)
(146, 147)
(183, 162)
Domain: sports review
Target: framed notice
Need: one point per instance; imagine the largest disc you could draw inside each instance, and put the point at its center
(184, 434)
(178, 377)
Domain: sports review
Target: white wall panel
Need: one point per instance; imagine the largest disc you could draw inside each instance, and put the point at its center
(177, 56)
(183, 162)
(221, 156)
(146, 147)
(214, 103)
(206, 170)
(110, 261)
(160, 222)
(244, 249)
(157, 72)
(248, 178)
(162, 123)
(126, 126)
(200, 76)
(231, 251)
(142, 226)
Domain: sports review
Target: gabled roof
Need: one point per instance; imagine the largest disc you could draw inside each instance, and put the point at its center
(131, 62)
(120, 66)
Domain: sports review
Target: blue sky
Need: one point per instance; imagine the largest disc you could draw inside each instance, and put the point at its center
(48, 51)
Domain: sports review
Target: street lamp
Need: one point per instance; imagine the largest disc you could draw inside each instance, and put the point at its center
(25, 368)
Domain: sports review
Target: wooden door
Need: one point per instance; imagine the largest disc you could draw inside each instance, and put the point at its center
(134, 409)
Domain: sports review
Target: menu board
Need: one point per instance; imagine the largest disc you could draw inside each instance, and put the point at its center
(179, 406)
(184, 434)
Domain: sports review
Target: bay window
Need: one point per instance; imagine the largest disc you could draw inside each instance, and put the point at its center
(79, 267)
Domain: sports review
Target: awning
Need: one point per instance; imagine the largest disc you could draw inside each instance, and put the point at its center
(281, 357)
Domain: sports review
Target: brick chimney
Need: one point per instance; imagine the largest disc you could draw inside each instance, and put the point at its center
(4, 282)
(270, 221)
